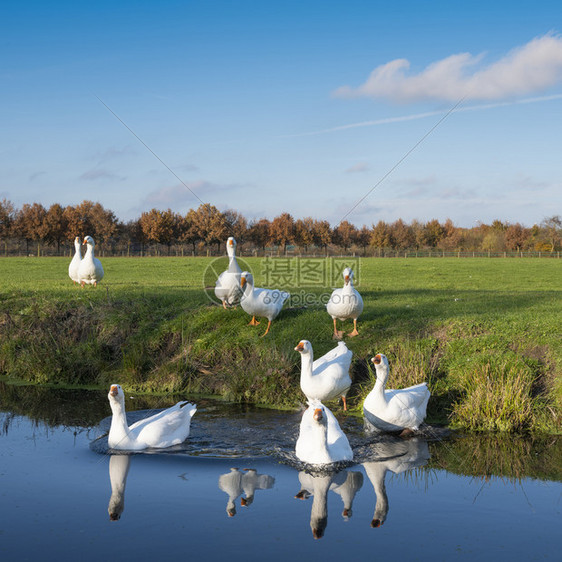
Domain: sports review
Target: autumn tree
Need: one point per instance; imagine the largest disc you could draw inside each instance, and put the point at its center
(7, 217)
(516, 237)
(188, 229)
(402, 235)
(381, 235)
(553, 230)
(56, 226)
(363, 237)
(303, 232)
(282, 231)
(452, 238)
(258, 233)
(322, 234)
(236, 224)
(431, 233)
(211, 225)
(344, 234)
(159, 227)
(30, 225)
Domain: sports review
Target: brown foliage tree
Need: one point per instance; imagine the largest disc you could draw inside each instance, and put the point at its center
(258, 233)
(56, 225)
(344, 234)
(303, 232)
(322, 234)
(30, 224)
(282, 231)
(7, 217)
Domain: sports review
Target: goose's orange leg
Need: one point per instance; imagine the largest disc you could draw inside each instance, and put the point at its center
(355, 332)
(268, 326)
(344, 403)
(253, 322)
(338, 335)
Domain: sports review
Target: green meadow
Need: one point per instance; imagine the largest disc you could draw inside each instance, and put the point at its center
(485, 333)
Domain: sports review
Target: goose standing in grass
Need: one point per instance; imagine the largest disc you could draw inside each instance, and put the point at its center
(227, 288)
(394, 410)
(168, 427)
(345, 303)
(321, 440)
(90, 271)
(76, 260)
(265, 303)
(328, 377)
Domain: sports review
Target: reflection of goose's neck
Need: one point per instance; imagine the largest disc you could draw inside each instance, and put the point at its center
(118, 470)
(376, 471)
(319, 510)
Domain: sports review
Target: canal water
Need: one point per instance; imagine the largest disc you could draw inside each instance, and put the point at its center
(235, 490)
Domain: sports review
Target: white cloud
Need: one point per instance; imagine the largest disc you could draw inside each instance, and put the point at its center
(531, 68)
(359, 167)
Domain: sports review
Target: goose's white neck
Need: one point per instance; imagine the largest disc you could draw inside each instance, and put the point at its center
(119, 429)
(307, 359)
(89, 251)
(78, 247)
(377, 476)
(319, 509)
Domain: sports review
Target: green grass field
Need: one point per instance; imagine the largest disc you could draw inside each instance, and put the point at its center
(484, 333)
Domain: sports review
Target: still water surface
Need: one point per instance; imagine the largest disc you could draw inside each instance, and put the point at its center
(229, 494)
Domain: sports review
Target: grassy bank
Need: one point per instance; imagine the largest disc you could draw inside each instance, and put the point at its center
(485, 334)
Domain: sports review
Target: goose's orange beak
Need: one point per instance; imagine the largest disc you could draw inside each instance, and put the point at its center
(346, 278)
(113, 390)
(242, 282)
(300, 346)
(317, 414)
(377, 359)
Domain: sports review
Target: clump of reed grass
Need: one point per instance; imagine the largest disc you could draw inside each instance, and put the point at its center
(497, 397)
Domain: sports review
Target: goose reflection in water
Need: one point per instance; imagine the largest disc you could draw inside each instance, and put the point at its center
(236, 483)
(397, 457)
(345, 483)
(118, 471)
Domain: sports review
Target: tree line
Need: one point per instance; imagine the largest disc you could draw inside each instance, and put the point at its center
(34, 229)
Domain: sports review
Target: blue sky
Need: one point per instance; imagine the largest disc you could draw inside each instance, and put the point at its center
(268, 107)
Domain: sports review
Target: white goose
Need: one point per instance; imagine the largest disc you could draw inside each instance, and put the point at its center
(168, 427)
(75, 263)
(227, 288)
(321, 440)
(394, 410)
(327, 377)
(260, 302)
(345, 303)
(90, 271)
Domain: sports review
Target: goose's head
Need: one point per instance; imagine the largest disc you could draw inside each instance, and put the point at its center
(318, 412)
(89, 241)
(381, 364)
(246, 279)
(77, 242)
(230, 247)
(348, 275)
(116, 394)
(304, 346)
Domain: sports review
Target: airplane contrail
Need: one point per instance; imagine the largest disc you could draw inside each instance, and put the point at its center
(416, 116)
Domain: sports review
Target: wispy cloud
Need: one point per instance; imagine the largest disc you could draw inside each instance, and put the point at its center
(359, 167)
(527, 69)
(100, 174)
(180, 194)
